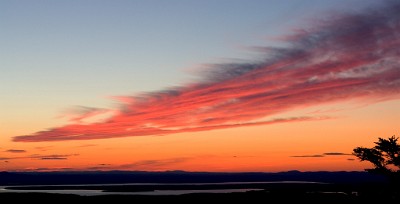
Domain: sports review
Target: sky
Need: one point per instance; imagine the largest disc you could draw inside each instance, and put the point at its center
(226, 85)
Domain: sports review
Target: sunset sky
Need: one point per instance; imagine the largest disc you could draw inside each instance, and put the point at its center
(196, 85)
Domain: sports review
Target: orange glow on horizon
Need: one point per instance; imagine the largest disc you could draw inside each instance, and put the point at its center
(260, 148)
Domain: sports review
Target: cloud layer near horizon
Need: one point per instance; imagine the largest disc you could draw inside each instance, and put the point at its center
(349, 56)
(323, 155)
(42, 157)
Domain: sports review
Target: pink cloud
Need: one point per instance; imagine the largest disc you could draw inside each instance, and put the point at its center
(352, 56)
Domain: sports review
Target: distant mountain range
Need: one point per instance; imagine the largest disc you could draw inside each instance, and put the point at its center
(119, 177)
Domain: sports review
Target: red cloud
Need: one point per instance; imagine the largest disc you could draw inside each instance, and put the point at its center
(351, 57)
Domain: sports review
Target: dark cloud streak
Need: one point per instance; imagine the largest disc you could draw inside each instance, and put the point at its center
(153, 164)
(324, 154)
(42, 157)
(53, 158)
(16, 151)
(308, 156)
(336, 154)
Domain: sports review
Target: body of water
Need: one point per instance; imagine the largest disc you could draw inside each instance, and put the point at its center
(90, 192)
(100, 192)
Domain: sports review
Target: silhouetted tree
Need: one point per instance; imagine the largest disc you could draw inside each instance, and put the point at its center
(384, 156)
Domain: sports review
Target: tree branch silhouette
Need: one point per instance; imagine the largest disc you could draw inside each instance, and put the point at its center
(384, 156)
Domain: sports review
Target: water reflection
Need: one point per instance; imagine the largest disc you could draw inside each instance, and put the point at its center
(155, 192)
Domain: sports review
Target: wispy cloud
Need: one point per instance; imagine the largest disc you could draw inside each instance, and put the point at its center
(53, 158)
(16, 151)
(306, 156)
(153, 164)
(42, 169)
(145, 164)
(42, 157)
(324, 154)
(349, 57)
(336, 154)
(44, 148)
(83, 114)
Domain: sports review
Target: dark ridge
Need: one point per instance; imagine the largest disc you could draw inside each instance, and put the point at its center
(120, 177)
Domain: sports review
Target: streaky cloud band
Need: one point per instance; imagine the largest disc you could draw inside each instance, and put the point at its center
(349, 57)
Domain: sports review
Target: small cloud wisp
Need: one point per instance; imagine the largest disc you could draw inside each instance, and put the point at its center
(15, 151)
(42, 157)
(323, 155)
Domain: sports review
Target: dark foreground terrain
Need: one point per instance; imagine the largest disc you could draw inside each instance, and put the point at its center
(318, 187)
(248, 197)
